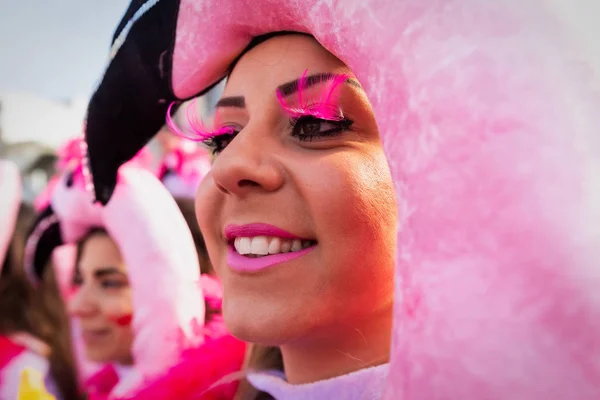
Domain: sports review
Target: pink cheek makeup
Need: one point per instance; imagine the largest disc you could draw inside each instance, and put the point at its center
(123, 320)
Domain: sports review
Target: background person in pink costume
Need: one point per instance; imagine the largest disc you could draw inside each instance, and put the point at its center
(47, 250)
(29, 335)
(490, 138)
(163, 311)
(115, 299)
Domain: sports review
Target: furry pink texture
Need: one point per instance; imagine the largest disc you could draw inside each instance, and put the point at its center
(10, 200)
(182, 169)
(326, 107)
(69, 153)
(44, 198)
(159, 251)
(71, 157)
(196, 375)
(63, 261)
(491, 140)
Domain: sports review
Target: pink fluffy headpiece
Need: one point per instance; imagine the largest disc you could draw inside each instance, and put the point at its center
(492, 141)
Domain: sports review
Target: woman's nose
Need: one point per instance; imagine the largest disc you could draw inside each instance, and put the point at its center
(247, 165)
(82, 303)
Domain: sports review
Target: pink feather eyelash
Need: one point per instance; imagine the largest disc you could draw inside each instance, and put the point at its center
(199, 131)
(327, 107)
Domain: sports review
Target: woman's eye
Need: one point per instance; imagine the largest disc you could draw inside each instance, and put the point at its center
(316, 127)
(310, 127)
(113, 284)
(217, 144)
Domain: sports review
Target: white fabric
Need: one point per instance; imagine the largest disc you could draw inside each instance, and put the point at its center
(365, 384)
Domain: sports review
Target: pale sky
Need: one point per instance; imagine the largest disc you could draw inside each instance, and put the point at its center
(55, 48)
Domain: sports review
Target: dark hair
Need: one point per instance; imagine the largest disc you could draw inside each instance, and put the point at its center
(39, 312)
(81, 243)
(186, 206)
(259, 358)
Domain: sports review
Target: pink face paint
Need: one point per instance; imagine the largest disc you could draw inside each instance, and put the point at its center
(123, 320)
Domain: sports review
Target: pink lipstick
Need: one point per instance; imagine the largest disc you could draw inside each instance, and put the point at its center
(252, 230)
(275, 246)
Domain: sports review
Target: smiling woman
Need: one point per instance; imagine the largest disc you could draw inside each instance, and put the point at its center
(102, 300)
(278, 211)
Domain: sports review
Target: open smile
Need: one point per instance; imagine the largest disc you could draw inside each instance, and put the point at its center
(257, 246)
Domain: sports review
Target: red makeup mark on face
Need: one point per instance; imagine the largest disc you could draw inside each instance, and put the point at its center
(123, 320)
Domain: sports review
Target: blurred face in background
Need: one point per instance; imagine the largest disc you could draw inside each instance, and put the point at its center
(101, 300)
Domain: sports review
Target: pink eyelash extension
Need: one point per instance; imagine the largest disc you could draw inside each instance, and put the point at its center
(325, 108)
(199, 131)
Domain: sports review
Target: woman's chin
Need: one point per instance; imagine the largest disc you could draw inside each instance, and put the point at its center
(97, 356)
(262, 326)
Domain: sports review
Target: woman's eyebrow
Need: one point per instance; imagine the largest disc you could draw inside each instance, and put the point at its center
(289, 88)
(100, 272)
(234, 101)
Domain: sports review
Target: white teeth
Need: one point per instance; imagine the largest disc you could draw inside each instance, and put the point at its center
(263, 245)
(296, 245)
(286, 246)
(243, 245)
(260, 245)
(275, 246)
